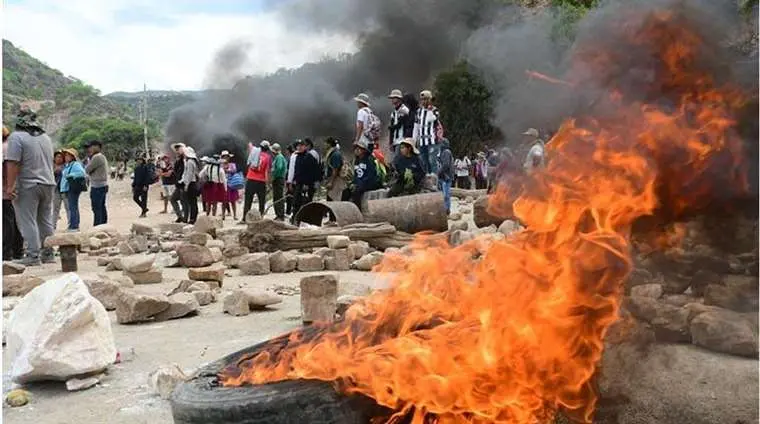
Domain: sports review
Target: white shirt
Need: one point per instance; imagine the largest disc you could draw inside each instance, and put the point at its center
(536, 153)
(214, 173)
(363, 116)
(462, 167)
(291, 168)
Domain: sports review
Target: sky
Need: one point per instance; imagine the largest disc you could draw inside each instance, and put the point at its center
(117, 45)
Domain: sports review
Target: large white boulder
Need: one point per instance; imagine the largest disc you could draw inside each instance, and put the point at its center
(57, 331)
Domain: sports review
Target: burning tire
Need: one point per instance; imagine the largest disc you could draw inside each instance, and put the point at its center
(202, 400)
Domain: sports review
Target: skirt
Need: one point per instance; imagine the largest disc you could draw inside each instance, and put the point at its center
(214, 193)
(233, 195)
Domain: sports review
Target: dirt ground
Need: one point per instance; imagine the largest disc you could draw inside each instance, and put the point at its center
(123, 397)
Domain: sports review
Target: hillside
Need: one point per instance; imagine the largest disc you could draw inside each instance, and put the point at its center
(160, 102)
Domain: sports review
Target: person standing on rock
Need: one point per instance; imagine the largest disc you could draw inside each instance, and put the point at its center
(97, 168)
(59, 199)
(178, 196)
(189, 181)
(289, 187)
(141, 184)
(335, 181)
(428, 131)
(259, 169)
(13, 243)
(279, 172)
(30, 184)
(401, 123)
(446, 173)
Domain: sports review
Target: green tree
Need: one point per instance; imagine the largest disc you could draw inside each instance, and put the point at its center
(466, 108)
(117, 134)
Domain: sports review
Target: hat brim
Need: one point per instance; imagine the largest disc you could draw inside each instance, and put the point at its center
(395, 96)
(364, 102)
(414, 148)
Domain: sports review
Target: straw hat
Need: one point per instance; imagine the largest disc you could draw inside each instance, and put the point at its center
(176, 146)
(6, 133)
(362, 98)
(396, 94)
(411, 143)
(71, 152)
(426, 95)
(531, 132)
(276, 148)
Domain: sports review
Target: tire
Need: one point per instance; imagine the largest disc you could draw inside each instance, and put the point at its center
(202, 400)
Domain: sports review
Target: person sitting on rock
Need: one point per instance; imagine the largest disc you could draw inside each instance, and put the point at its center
(409, 170)
(365, 172)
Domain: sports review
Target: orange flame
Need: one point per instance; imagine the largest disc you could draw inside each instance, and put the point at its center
(512, 331)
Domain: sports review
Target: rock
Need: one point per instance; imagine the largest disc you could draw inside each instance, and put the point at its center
(167, 260)
(259, 299)
(202, 286)
(164, 380)
(204, 297)
(670, 323)
(282, 262)
(252, 216)
(216, 244)
(125, 248)
(152, 276)
(198, 238)
(138, 263)
(254, 264)
(194, 256)
(138, 244)
(234, 251)
(135, 307)
(216, 253)
(64, 239)
(104, 261)
(324, 252)
(142, 229)
(647, 290)
(115, 264)
(76, 384)
(184, 286)
(338, 242)
(107, 292)
(209, 273)
(459, 237)
(726, 332)
(675, 284)
(368, 261)
(736, 297)
(17, 397)
(236, 304)
(343, 303)
(459, 225)
(10, 268)
(309, 263)
(20, 284)
(172, 227)
(9, 303)
(455, 216)
(57, 331)
(701, 279)
(208, 225)
(677, 299)
(358, 249)
(339, 261)
(180, 305)
(319, 298)
(508, 227)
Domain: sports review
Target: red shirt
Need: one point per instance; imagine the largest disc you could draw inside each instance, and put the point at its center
(262, 172)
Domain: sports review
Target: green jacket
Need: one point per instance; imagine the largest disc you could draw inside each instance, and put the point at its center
(279, 167)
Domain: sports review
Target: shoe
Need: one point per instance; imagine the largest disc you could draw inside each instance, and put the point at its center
(142, 215)
(72, 230)
(29, 261)
(47, 259)
(162, 213)
(179, 220)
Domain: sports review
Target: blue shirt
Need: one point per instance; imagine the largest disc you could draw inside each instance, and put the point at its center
(73, 169)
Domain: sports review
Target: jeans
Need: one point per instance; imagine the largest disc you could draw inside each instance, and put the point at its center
(13, 243)
(34, 215)
(446, 188)
(140, 196)
(258, 189)
(99, 210)
(72, 197)
(278, 187)
(59, 199)
(190, 194)
(178, 202)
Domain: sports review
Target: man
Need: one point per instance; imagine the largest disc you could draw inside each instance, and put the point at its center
(97, 169)
(462, 170)
(140, 185)
(178, 196)
(367, 123)
(428, 130)
(318, 169)
(409, 170)
(307, 174)
(365, 173)
(334, 181)
(290, 178)
(168, 184)
(535, 158)
(279, 172)
(259, 169)
(445, 173)
(13, 243)
(401, 122)
(30, 185)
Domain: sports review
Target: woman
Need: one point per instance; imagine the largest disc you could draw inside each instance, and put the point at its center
(462, 171)
(235, 182)
(409, 170)
(73, 183)
(481, 172)
(215, 188)
(189, 181)
(58, 197)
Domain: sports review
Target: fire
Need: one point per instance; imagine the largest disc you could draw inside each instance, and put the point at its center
(512, 331)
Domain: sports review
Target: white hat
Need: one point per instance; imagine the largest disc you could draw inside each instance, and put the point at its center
(426, 94)
(226, 153)
(396, 94)
(176, 146)
(276, 147)
(531, 132)
(264, 143)
(362, 98)
(362, 143)
(412, 143)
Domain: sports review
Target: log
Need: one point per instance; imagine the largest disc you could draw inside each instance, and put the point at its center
(411, 214)
(461, 193)
(481, 216)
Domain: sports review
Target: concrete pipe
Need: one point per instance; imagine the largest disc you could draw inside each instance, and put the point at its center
(410, 214)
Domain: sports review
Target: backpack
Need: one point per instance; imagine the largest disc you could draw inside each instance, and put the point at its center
(373, 132)
(254, 156)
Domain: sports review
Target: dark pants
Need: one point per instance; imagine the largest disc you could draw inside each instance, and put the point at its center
(397, 189)
(289, 202)
(98, 199)
(190, 203)
(481, 183)
(356, 197)
(278, 188)
(255, 188)
(72, 197)
(13, 243)
(302, 194)
(140, 196)
(178, 201)
(463, 183)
